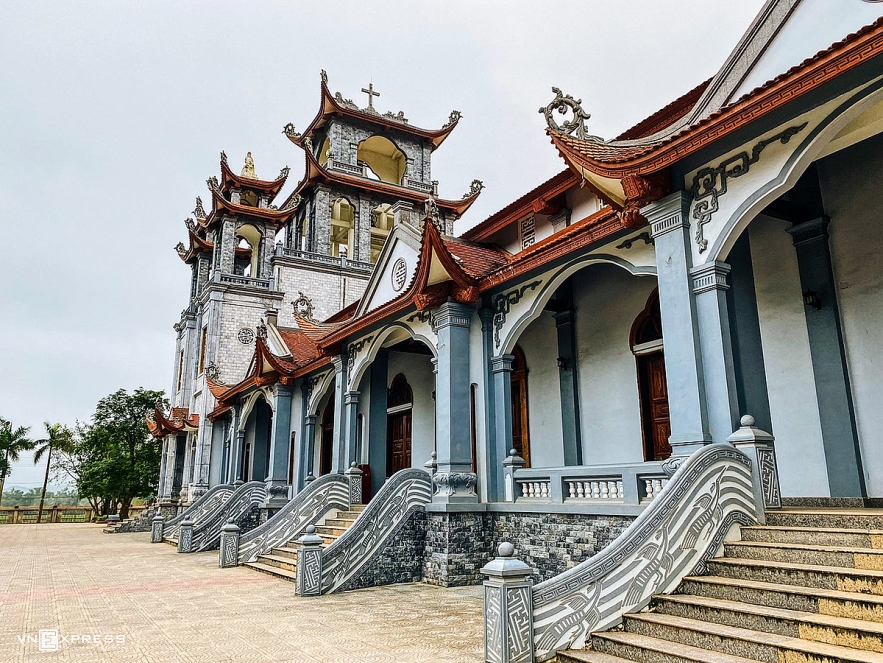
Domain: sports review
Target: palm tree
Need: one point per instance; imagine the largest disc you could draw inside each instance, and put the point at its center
(60, 438)
(12, 442)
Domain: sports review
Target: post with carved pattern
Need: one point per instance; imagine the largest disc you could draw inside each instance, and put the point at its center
(229, 554)
(508, 609)
(511, 464)
(156, 527)
(354, 479)
(309, 564)
(759, 446)
(185, 536)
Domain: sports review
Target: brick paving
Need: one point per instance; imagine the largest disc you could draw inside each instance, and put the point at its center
(171, 607)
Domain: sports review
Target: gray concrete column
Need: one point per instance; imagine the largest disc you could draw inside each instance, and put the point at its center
(238, 470)
(321, 239)
(339, 452)
(669, 219)
(830, 369)
(718, 370)
(569, 387)
(309, 444)
(495, 454)
(454, 480)
(501, 368)
(751, 385)
(377, 420)
(163, 465)
(352, 427)
(280, 445)
(305, 465)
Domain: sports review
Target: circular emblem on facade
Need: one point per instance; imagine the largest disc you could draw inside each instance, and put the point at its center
(399, 274)
(245, 336)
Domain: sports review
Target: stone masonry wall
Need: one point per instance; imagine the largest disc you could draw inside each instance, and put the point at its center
(459, 544)
(400, 561)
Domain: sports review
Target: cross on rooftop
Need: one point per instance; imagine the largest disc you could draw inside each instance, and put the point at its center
(371, 94)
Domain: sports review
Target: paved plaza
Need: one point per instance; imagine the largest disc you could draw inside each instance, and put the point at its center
(156, 605)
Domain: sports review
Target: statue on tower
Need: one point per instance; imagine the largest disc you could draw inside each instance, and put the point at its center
(248, 168)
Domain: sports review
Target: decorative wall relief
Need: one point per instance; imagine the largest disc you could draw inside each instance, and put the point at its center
(504, 302)
(710, 183)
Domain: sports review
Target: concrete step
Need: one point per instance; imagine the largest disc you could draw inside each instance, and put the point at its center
(807, 599)
(285, 551)
(819, 536)
(744, 642)
(280, 562)
(805, 575)
(272, 570)
(842, 631)
(800, 553)
(339, 522)
(637, 647)
(860, 519)
(324, 530)
(586, 656)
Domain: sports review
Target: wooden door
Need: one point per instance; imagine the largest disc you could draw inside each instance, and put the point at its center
(327, 446)
(654, 403)
(520, 428)
(398, 453)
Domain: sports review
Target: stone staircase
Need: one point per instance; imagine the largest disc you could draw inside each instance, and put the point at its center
(282, 561)
(805, 588)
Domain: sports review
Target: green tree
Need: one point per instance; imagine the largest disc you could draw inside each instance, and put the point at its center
(120, 458)
(12, 442)
(59, 437)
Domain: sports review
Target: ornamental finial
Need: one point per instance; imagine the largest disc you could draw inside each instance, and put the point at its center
(453, 119)
(474, 188)
(191, 226)
(562, 103)
(181, 249)
(223, 157)
(199, 211)
(248, 168)
(290, 131)
(324, 75)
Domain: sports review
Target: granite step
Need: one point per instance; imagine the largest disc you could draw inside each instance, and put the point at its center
(806, 575)
(288, 551)
(820, 536)
(272, 570)
(586, 656)
(842, 631)
(744, 642)
(339, 522)
(830, 602)
(279, 562)
(801, 553)
(860, 519)
(324, 530)
(648, 649)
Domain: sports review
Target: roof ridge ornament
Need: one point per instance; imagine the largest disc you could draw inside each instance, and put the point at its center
(248, 168)
(284, 172)
(213, 185)
(454, 117)
(223, 157)
(199, 210)
(324, 75)
(475, 188)
(191, 225)
(181, 249)
(564, 103)
(290, 131)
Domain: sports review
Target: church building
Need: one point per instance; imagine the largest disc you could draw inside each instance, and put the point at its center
(693, 306)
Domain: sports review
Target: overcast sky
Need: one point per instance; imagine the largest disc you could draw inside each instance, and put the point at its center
(113, 115)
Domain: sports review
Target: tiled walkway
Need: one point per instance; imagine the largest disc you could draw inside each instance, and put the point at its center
(171, 607)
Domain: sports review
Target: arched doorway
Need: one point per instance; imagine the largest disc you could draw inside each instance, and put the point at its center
(327, 446)
(646, 342)
(399, 405)
(520, 427)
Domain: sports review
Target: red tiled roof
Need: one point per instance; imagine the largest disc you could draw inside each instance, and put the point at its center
(476, 259)
(302, 348)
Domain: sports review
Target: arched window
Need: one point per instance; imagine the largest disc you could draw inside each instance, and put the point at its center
(647, 345)
(381, 224)
(343, 223)
(383, 158)
(247, 251)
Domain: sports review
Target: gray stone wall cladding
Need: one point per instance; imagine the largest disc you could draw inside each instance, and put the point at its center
(459, 544)
(324, 289)
(140, 523)
(346, 136)
(399, 561)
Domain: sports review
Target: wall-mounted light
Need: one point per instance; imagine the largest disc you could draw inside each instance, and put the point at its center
(562, 363)
(812, 300)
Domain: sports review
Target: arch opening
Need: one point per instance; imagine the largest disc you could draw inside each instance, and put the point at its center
(383, 160)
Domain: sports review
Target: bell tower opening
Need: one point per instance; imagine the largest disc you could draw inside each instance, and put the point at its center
(384, 160)
(343, 223)
(249, 239)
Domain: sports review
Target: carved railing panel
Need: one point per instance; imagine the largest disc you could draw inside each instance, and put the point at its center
(210, 501)
(207, 534)
(680, 529)
(405, 492)
(308, 506)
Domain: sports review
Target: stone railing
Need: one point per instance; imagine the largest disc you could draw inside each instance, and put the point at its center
(679, 530)
(627, 485)
(428, 189)
(328, 492)
(332, 569)
(203, 507)
(19, 515)
(343, 263)
(247, 281)
(344, 167)
(205, 536)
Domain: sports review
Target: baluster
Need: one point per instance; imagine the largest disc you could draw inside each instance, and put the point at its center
(581, 489)
(596, 490)
(620, 493)
(571, 489)
(546, 489)
(648, 488)
(605, 492)
(611, 490)
(658, 484)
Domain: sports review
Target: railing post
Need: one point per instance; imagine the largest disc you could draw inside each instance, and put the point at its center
(156, 528)
(354, 478)
(16, 515)
(759, 446)
(508, 609)
(511, 463)
(309, 564)
(431, 465)
(229, 555)
(185, 536)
